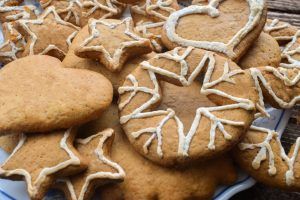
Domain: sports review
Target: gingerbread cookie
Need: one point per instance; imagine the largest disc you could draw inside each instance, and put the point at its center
(101, 170)
(9, 141)
(13, 45)
(10, 2)
(13, 13)
(112, 43)
(283, 32)
(228, 27)
(144, 179)
(264, 52)
(156, 10)
(79, 12)
(201, 130)
(41, 34)
(117, 79)
(262, 155)
(48, 96)
(40, 158)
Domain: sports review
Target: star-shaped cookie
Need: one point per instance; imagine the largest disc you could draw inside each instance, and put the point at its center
(14, 43)
(40, 158)
(68, 10)
(101, 170)
(112, 42)
(13, 13)
(48, 34)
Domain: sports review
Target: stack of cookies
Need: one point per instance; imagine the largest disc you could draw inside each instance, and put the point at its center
(157, 105)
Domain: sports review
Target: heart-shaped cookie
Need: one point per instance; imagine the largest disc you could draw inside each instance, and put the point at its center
(224, 26)
(37, 94)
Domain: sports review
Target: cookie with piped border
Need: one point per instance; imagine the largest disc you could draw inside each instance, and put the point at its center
(227, 27)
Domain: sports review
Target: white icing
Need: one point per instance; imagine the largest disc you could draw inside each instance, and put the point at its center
(275, 26)
(110, 7)
(256, 10)
(143, 29)
(33, 187)
(40, 21)
(18, 12)
(289, 51)
(114, 59)
(184, 138)
(119, 175)
(70, 10)
(266, 152)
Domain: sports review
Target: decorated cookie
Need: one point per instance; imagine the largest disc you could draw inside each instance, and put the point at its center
(156, 10)
(40, 158)
(10, 2)
(262, 155)
(128, 1)
(228, 27)
(9, 141)
(101, 170)
(13, 45)
(283, 32)
(264, 52)
(41, 34)
(13, 13)
(144, 179)
(112, 43)
(48, 96)
(151, 31)
(73, 61)
(151, 113)
(79, 12)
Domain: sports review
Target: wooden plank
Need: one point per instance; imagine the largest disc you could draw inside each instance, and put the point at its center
(292, 18)
(291, 6)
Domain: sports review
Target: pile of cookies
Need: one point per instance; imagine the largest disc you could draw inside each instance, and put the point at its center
(157, 105)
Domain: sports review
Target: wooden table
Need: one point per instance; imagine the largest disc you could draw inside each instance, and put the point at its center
(288, 11)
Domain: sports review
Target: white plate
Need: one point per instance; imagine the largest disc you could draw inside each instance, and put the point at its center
(16, 190)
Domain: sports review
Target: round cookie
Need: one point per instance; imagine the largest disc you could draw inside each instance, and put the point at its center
(156, 123)
(195, 182)
(228, 27)
(48, 95)
(262, 155)
(73, 61)
(264, 52)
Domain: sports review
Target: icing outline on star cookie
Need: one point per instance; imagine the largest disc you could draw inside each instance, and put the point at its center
(110, 7)
(256, 11)
(34, 187)
(21, 12)
(40, 21)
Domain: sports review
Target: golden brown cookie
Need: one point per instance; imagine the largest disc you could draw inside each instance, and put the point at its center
(166, 133)
(117, 79)
(228, 27)
(283, 32)
(10, 2)
(101, 170)
(144, 179)
(13, 45)
(264, 52)
(40, 158)
(153, 10)
(112, 43)
(42, 34)
(48, 96)
(78, 12)
(262, 155)
(9, 141)
(13, 13)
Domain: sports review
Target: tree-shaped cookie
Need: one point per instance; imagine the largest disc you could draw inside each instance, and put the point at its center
(48, 34)
(40, 158)
(112, 42)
